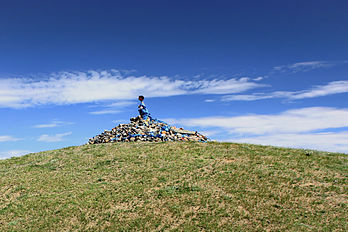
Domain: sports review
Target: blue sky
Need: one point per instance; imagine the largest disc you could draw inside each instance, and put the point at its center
(263, 72)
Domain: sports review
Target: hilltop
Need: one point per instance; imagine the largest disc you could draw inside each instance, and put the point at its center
(184, 186)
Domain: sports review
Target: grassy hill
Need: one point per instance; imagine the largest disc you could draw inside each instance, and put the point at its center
(174, 186)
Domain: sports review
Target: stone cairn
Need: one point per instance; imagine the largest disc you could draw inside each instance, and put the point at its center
(151, 131)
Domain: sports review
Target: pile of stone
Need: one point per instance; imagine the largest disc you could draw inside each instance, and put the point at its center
(152, 131)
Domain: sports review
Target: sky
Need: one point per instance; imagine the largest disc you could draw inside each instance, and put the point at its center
(262, 72)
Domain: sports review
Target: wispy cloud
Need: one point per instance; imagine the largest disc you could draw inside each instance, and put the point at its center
(53, 138)
(334, 87)
(303, 66)
(209, 132)
(54, 123)
(248, 97)
(260, 78)
(113, 108)
(304, 122)
(121, 104)
(331, 88)
(220, 86)
(12, 153)
(8, 138)
(109, 111)
(119, 121)
(93, 86)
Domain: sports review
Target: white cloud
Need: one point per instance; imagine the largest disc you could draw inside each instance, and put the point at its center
(53, 138)
(121, 104)
(291, 121)
(303, 66)
(92, 86)
(54, 123)
(221, 86)
(126, 71)
(12, 153)
(281, 129)
(113, 108)
(119, 121)
(259, 78)
(247, 97)
(108, 111)
(330, 141)
(209, 133)
(8, 138)
(334, 87)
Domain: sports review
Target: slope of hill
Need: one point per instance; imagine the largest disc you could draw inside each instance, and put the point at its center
(174, 186)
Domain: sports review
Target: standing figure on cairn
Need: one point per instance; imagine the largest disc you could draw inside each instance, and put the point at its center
(143, 111)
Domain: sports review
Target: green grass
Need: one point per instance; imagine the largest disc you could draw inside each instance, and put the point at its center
(174, 187)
